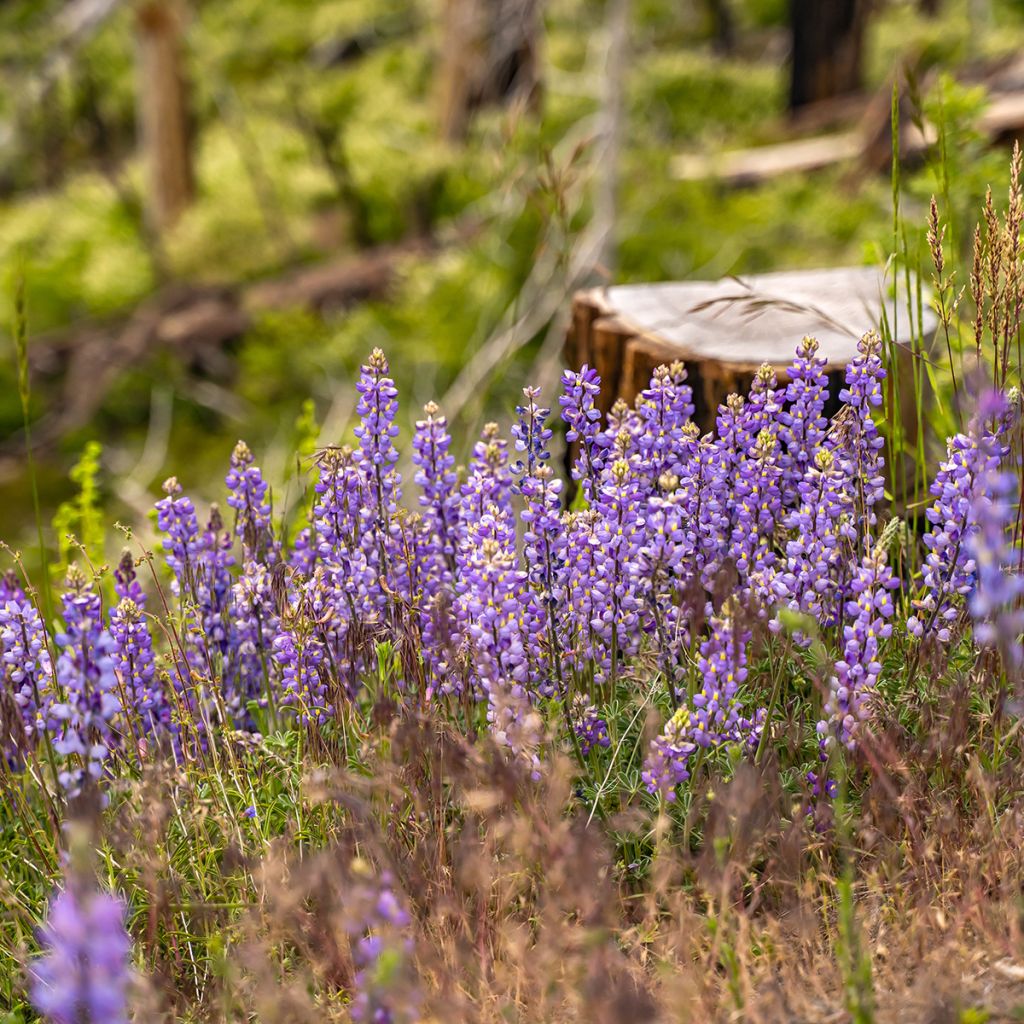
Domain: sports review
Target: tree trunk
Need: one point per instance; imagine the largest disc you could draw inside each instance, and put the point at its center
(163, 111)
(489, 55)
(828, 37)
(723, 26)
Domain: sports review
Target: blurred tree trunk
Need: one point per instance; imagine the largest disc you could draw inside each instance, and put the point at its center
(489, 55)
(828, 43)
(723, 26)
(930, 7)
(162, 107)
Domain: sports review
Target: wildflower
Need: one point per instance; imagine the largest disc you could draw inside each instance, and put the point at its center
(583, 418)
(590, 728)
(856, 673)
(386, 991)
(176, 519)
(87, 683)
(949, 570)
(669, 757)
(247, 495)
(27, 671)
(84, 971)
(299, 654)
(802, 421)
(136, 666)
(436, 477)
(995, 604)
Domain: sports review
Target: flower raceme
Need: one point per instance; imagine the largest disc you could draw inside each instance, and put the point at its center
(497, 599)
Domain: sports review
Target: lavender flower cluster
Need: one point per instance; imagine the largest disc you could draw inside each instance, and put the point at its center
(496, 595)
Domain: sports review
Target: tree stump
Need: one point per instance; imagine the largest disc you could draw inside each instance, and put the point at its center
(725, 330)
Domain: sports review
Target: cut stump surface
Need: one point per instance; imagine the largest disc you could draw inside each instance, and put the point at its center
(724, 330)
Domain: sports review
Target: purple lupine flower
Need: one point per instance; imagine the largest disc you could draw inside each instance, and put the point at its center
(489, 591)
(176, 519)
(580, 608)
(84, 970)
(668, 569)
(87, 682)
(996, 602)
(802, 421)
(247, 495)
(27, 672)
(716, 715)
(126, 581)
(530, 433)
(722, 669)
(386, 991)
(809, 575)
(763, 407)
(759, 502)
(857, 441)
(618, 532)
(949, 568)
(720, 464)
(136, 666)
(347, 578)
(543, 541)
(377, 408)
(580, 392)
(254, 623)
(852, 687)
(435, 476)
(620, 437)
(667, 763)
(590, 727)
(488, 480)
(299, 654)
(663, 409)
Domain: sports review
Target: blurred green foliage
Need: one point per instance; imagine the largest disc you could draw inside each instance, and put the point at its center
(315, 132)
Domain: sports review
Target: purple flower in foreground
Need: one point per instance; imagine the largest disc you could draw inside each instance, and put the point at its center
(83, 973)
(716, 714)
(669, 757)
(996, 603)
(386, 991)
